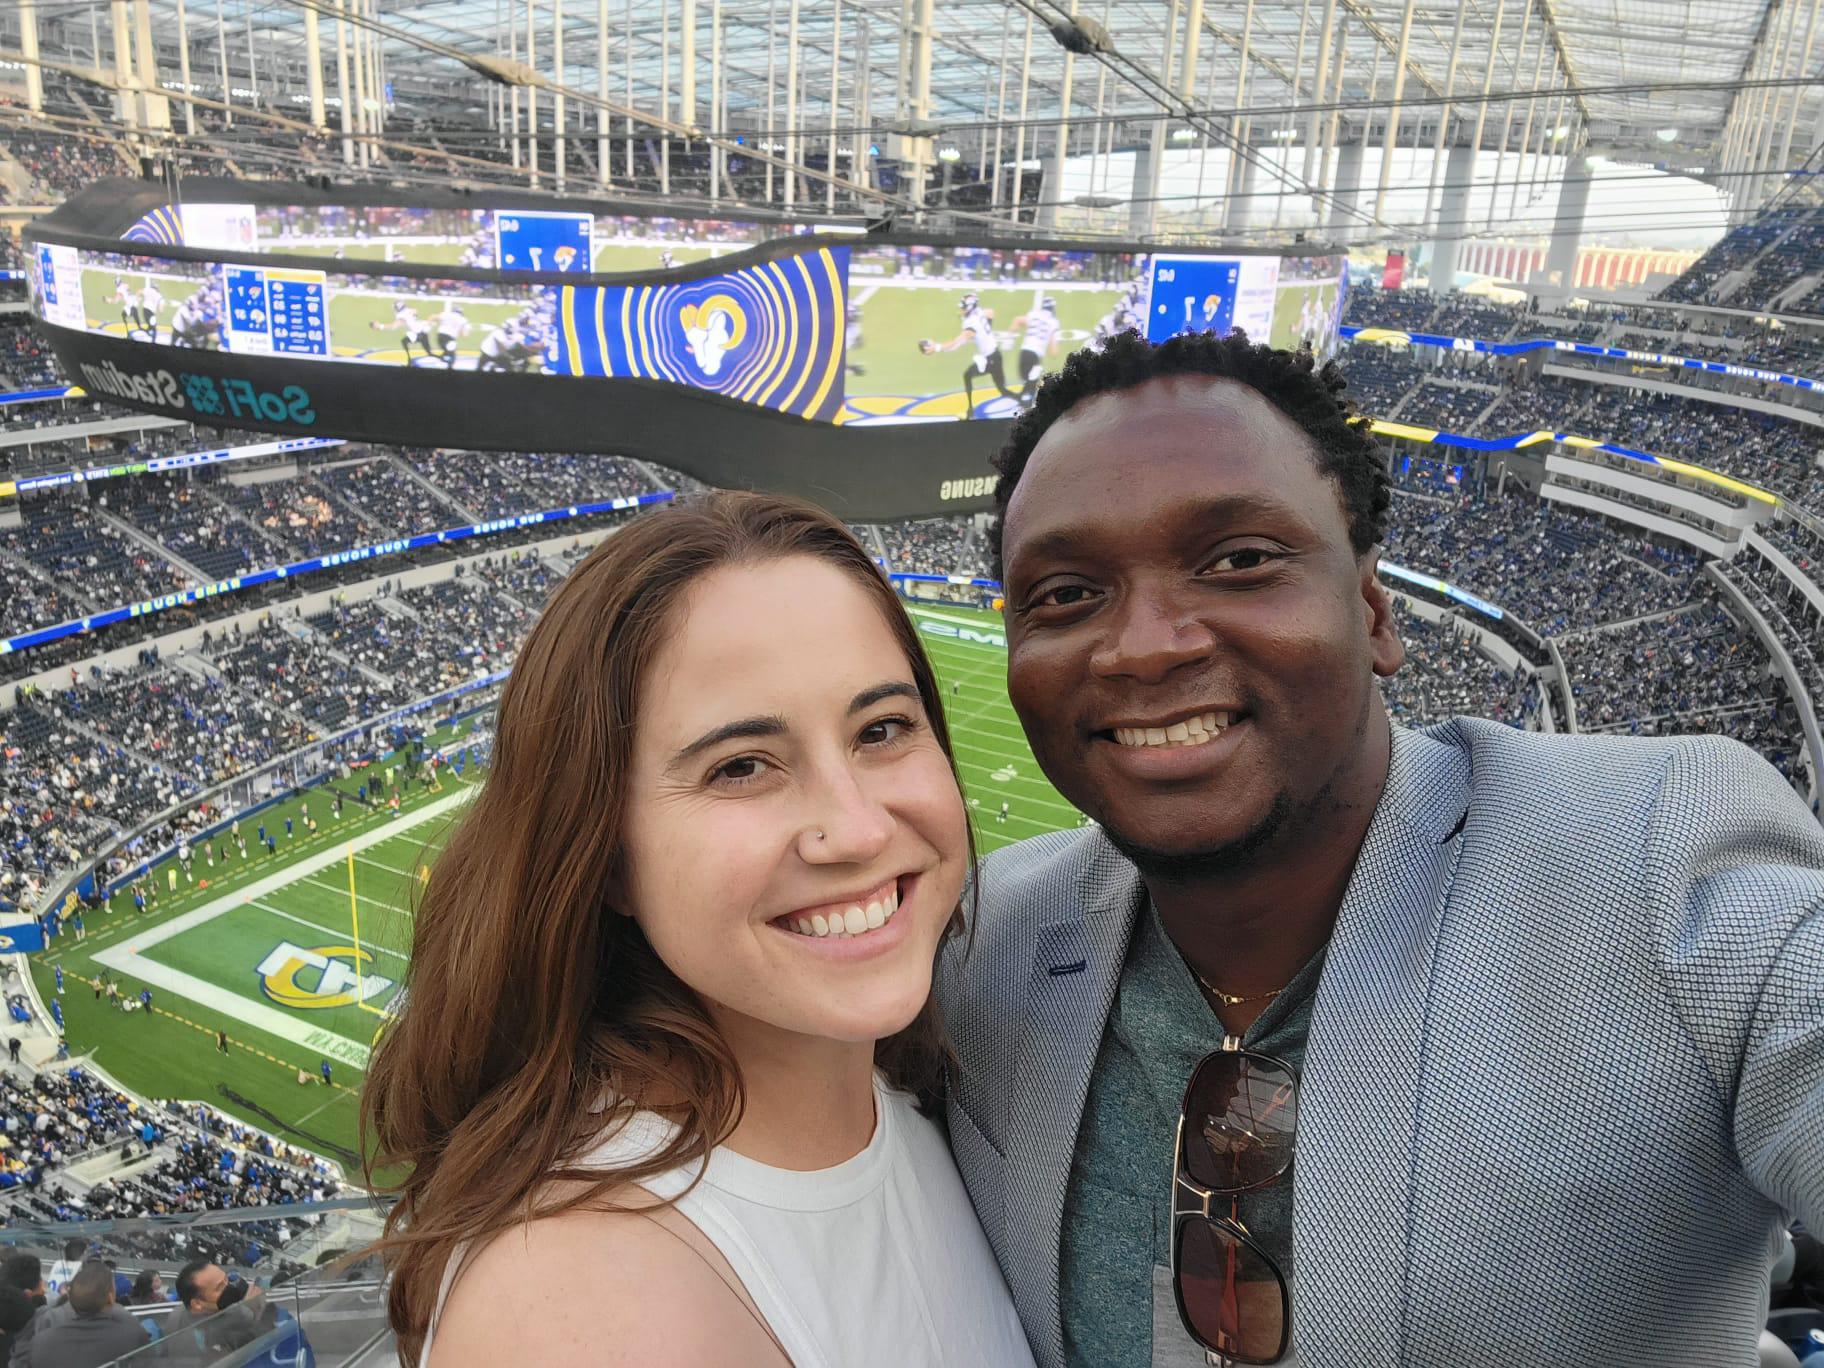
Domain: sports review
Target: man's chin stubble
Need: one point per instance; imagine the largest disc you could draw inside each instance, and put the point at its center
(1208, 862)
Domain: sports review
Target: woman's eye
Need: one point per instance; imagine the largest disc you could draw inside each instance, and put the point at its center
(886, 731)
(742, 769)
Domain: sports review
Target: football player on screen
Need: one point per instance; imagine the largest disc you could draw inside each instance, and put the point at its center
(151, 303)
(417, 331)
(500, 347)
(978, 328)
(1038, 343)
(128, 299)
(451, 326)
(194, 324)
(852, 338)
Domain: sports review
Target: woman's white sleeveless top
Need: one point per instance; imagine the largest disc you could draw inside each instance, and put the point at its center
(877, 1260)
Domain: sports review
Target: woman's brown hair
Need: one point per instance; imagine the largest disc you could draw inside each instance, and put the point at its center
(528, 997)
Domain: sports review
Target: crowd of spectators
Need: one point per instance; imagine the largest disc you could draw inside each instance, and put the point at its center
(1693, 671)
(933, 546)
(1371, 306)
(1379, 378)
(1555, 569)
(1783, 606)
(1460, 315)
(60, 164)
(430, 638)
(1736, 249)
(281, 665)
(61, 793)
(155, 1161)
(200, 730)
(66, 538)
(300, 513)
(1450, 408)
(1447, 675)
(388, 494)
(496, 484)
(1797, 254)
(26, 360)
(53, 1117)
(175, 511)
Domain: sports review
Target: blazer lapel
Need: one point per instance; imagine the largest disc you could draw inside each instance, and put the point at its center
(1364, 1062)
(1076, 967)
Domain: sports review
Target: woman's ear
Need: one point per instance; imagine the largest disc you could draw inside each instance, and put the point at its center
(615, 897)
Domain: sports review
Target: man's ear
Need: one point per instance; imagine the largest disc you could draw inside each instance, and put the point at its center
(1386, 650)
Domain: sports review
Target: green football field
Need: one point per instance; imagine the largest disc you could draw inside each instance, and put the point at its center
(266, 948)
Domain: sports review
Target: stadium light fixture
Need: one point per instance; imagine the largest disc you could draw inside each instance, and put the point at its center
(1184, 135)
(915, 128)
(1285, 135)
(1560, 133)
(949, 154)
(1082, 35)
(500, 70)
(1666, 135)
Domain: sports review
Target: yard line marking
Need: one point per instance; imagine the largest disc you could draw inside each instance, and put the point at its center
(317, 926)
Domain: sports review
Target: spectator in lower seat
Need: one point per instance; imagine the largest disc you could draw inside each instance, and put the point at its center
(87, 1330)
(16, 1312)
(24, 1273)
(194, 1331)
(148, 1289)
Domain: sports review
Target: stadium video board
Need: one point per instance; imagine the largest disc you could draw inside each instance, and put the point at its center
(846, 330)
(811, 358)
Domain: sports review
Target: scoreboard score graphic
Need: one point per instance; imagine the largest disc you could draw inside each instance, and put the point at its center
(540, 240)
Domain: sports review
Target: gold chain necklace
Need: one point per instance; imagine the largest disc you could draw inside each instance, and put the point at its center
(1230, 999)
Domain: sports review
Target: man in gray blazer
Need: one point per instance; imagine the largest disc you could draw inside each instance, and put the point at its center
(1550, 1010)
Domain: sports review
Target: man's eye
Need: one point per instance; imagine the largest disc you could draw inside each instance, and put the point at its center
(1247, 558)
(1064, 596)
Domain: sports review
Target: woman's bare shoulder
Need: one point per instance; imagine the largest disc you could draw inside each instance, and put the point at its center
(600, 1288)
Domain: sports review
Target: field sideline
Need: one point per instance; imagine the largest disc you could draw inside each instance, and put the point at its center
(265, 948)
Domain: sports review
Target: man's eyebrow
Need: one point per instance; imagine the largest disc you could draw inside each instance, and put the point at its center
(729, 731)
(1074, 538)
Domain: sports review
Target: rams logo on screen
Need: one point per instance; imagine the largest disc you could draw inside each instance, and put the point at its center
(712, 329)
(319, 978)
(564, 255)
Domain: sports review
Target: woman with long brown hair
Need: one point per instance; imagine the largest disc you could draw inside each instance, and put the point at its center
(654, 1086)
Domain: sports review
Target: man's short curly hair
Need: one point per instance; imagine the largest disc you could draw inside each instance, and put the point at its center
(1292, 382)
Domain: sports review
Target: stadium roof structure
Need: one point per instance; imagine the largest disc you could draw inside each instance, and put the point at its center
(1725, 90)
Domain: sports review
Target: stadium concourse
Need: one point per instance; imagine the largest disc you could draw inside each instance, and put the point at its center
(1570, 262)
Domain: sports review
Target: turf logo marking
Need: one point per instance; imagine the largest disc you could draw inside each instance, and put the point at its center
(285, 977)
(981, 637)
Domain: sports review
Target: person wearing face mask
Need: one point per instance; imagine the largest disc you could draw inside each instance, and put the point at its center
(668, 1054)
(213, 1312)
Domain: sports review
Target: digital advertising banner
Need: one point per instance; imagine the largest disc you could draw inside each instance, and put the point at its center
(771, 334)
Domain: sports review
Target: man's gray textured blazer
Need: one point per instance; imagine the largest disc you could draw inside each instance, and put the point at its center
(1566, 1064)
